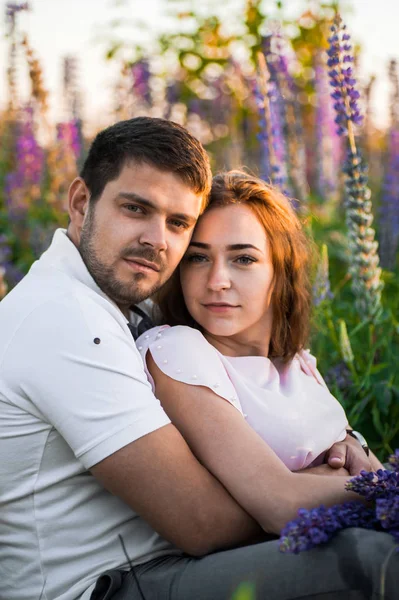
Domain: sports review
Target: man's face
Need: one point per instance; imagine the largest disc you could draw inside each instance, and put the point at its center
(134, 236)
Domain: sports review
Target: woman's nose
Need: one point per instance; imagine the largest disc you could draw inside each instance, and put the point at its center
(219, 278)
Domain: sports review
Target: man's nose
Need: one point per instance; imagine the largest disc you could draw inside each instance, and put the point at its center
(154, 234)
(219, 278)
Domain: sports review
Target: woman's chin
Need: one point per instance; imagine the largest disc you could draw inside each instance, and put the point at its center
(219, 329)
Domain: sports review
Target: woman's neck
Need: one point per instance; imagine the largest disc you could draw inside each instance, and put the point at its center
(239, 345)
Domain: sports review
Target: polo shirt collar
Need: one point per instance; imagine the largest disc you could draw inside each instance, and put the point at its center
(63, 255)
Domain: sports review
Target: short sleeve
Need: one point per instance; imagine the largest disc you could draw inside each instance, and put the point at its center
(308, 364)
(183, 354)
(82, 375)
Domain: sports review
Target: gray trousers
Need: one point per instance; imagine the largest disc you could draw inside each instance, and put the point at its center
(356, 565)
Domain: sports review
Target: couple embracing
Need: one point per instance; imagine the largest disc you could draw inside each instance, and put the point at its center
(165, 468)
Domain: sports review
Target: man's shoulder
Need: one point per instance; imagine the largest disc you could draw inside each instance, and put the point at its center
(61, 305)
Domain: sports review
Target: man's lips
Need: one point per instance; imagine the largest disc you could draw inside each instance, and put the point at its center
(142, 265)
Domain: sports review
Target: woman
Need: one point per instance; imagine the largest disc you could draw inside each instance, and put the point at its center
(232, 372)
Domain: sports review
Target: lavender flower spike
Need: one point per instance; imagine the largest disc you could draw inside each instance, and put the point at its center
(364, 260)
(321, 287)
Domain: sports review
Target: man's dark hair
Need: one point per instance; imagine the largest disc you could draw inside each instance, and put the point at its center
(157, 142)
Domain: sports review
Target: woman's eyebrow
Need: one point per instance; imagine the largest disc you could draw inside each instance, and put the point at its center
(229, 247)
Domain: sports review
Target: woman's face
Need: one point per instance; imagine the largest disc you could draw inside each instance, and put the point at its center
(227, 274)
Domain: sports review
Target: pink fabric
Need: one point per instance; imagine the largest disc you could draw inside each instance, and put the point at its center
(288, 405)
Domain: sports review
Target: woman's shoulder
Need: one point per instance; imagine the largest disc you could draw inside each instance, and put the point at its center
(180, 334)
(183, 354)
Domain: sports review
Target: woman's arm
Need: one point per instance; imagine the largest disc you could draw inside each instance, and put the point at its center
(230, 449)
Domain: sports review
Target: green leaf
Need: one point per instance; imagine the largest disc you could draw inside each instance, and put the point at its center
(245, 591)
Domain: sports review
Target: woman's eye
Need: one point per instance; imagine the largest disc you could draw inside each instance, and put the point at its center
(195, 258)
(245, 260)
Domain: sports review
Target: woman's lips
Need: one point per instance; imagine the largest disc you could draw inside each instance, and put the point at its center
(220, 308)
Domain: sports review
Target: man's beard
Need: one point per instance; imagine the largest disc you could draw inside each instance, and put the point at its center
(123, 294)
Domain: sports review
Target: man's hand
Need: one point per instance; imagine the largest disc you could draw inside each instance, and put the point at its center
(325, 469)
(350, 455)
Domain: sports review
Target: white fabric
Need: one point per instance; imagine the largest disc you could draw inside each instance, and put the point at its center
(288, 405)
(66, 403)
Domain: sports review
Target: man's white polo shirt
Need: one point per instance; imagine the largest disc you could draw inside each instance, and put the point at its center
(72, 391)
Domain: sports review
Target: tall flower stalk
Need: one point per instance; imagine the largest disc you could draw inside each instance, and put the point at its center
(321, 286)
(11, 11)
(23, 184)
(292, 143)
(389, 208)
(328, 143)
(363, 249)
(272, 133)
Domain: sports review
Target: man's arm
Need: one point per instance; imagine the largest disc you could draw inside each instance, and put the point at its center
(160, 479)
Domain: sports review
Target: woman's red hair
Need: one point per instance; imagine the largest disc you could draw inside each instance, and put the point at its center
(290, 254)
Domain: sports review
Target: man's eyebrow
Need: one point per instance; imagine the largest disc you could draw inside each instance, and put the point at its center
(230, 247)
(191, 219)
(136, 198)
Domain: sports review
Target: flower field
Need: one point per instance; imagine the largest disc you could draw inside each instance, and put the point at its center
(287, 107)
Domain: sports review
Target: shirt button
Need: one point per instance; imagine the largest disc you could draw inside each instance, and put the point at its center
(215, 385)
(159, 347)
(178, 370)
(139, 347)
(165, 362)
(194, 376)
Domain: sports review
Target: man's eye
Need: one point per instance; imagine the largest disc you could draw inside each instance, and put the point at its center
(179, 224)
(133, 208)
(245, 260)
(196, 258)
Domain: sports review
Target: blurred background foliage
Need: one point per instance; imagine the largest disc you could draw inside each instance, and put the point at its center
(255, 90)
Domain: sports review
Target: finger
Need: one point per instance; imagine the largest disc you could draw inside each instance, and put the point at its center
(337, 456)
(336, 462)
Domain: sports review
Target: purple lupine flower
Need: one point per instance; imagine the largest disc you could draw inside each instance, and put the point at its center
(363, 256)
(342, 78)
(318, 525)
(5, 250)
(279, 88)
(374, 485)
(279, 56)
(321, 287)
(69, 134)
(11, 9)
(271, 132)
(393, 461)
(387, 512)
(23, 184)
(140, 71)
(389, 207)
(328, 143)
(340, 376)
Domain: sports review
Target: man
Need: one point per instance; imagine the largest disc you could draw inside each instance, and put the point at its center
(93, 475)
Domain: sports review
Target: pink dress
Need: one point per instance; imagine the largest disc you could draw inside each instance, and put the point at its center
(289, 406)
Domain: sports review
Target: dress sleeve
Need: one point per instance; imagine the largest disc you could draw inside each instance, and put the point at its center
(183, 354)
(309, 365)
